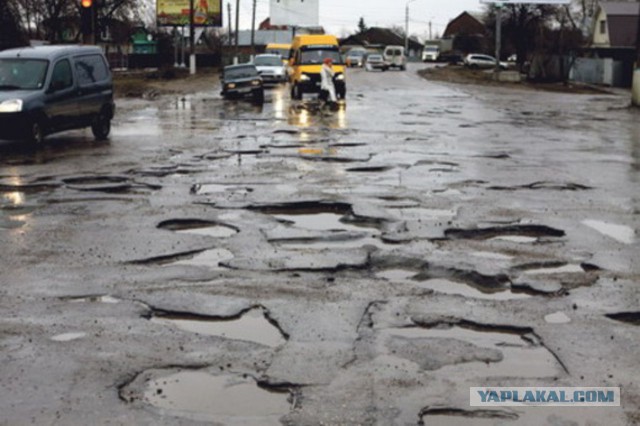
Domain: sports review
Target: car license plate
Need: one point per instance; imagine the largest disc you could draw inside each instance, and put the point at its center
(244, 90)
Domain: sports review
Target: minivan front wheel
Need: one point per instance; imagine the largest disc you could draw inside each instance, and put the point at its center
(101, 126)
(36, 133)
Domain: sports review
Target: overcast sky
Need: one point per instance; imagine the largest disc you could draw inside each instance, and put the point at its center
(341, 16)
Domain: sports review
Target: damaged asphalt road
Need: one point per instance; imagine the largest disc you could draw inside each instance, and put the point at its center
(218, 262)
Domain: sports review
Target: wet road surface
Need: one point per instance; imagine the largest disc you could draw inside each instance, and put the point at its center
(223, 262)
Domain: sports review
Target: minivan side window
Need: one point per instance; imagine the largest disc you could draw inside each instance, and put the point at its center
(62, 77)
(90, 69)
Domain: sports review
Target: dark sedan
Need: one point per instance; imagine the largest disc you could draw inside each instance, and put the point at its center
(239, 81)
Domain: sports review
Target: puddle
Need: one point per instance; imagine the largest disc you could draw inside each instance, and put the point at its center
(209, 258)
(515, 239)
(565, 269)
(320, 244)
(95, 299)
(620, 233)
(519, 357)
(447, 286)
(319, 222)
(252, 326)
(199, 227)
(395, 275)
(210, 189)
(628, 317)
(557, 318)
(67, 337)
(420, 213)
(229, 400)
(491, 255)
(452, 287)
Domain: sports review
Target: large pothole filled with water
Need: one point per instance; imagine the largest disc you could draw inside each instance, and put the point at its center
(253, 325)
(200, 396)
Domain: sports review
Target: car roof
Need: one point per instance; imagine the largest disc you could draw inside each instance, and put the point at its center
(48, 52)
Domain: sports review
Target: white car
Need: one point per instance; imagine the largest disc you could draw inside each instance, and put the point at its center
(270, 68)
(477, 60)
(375, 61)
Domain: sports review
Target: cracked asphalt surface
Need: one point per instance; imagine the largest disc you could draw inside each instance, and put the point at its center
(384, 259)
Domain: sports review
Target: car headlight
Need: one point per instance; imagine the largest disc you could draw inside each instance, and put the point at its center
(255, 82)
(304, 77)
(231, 86)
(12, 105)
(340, 77)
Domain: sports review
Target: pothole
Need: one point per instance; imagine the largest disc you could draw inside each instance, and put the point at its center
(228, 399)
(212, 259)
(199, 227)
(513, 233)
(620, 233)
(446, 286)
(253, 325)
(522, 355)
(457, 417)
(109, 184)
(563, 269)
(628, 317)
(94, 299)
(216, 189)
(549, 186)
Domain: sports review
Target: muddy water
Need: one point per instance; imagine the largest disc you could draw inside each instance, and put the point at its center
(230, 400)
(252, 327)
(217, 231)
(208, 258)
(620, 233)
(319, 222)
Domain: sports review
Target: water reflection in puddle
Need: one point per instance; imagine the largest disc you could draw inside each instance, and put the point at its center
(519, 239)
(96, 299)
(566, 269)
(67, 337)
(557, 318)
(252, 326)
(230, 400)
(319, 222)
(620, 233)
(216, 231)
(520, 358)
(446, 286)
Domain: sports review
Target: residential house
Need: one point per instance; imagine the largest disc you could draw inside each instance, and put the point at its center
(465, 33)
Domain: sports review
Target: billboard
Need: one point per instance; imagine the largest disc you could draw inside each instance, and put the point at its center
(176, 12)
(299, 13)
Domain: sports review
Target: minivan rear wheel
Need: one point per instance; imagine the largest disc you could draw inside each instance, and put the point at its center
(101, 126)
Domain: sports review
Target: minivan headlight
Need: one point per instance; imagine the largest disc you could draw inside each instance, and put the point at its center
(340, 77)
(12, 105)
(304, 77)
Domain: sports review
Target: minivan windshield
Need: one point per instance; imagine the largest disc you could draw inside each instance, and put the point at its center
(315, 56)
(22, 73)
(268, 61)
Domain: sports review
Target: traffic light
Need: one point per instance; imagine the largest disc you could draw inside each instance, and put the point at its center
(88, 21)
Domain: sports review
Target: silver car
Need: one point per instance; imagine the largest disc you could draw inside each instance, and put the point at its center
(271, 68)
(477, 60)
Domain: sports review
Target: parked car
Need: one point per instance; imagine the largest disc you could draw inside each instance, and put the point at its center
(271, 68)
(395, 58)
(375, 61)
(476, 60)
(48, 89)
(355, 58)
(242, 80)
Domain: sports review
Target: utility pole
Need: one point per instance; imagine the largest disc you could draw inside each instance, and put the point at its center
(192, 38)
(235, 60)
(253, 28)
(230, 27)
(406, 28)
(430, 33)
(635, 90)
(498, 35)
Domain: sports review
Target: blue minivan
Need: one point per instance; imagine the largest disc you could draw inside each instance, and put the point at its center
(48, 89)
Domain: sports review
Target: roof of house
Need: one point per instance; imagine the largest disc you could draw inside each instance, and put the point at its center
(465, 23)
(620, 8)
(622, 22)
(380, 36)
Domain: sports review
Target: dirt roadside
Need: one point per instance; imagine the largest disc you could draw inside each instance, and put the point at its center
(460, 75)
(151, 84)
